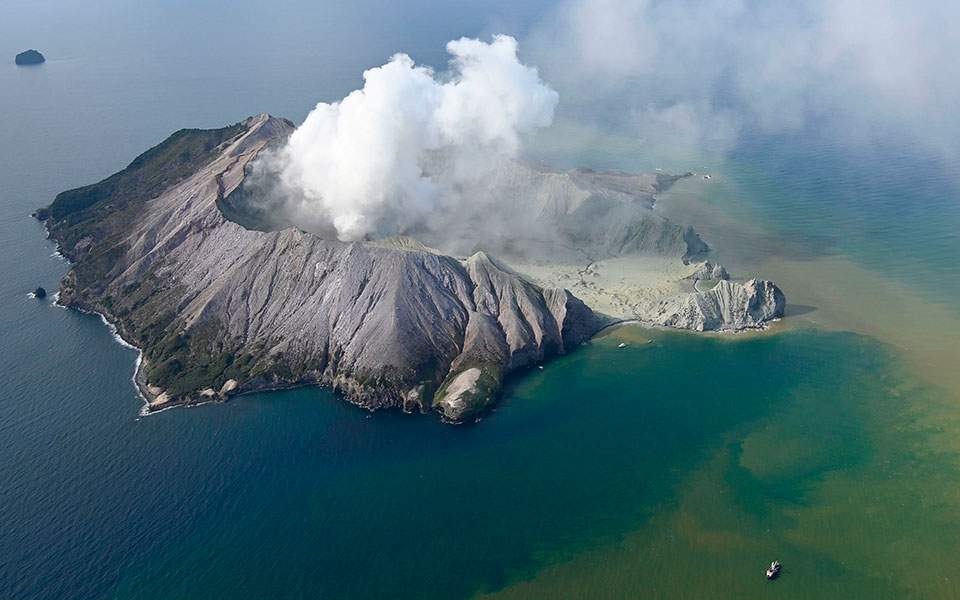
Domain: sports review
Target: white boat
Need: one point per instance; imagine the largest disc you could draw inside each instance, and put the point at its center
(773, 570)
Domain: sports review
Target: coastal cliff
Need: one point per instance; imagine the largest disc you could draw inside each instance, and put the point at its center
(729, 305)
(218, 307)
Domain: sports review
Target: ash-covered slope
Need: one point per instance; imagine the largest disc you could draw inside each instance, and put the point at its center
(218, 309)
(535, 213)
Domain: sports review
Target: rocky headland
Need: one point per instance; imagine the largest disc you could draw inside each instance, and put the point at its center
(222, 300)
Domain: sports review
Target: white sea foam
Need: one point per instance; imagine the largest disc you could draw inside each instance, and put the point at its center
(144, 410)
(116, 334)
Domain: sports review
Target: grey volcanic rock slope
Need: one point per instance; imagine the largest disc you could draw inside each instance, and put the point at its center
(531, 212)
(219, 309)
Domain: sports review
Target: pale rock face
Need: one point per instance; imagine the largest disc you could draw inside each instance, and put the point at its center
(729, 305)
(456, 401)
(709, 270)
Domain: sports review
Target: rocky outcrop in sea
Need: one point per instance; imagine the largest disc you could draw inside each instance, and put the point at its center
(29, 57)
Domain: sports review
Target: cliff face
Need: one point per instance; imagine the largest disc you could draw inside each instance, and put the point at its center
(220, 309)
(728, 305)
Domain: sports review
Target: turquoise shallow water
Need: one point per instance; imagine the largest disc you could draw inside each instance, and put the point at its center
(660, 469)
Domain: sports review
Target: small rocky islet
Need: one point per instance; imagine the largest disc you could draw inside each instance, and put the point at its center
(219, 308)
(29, 57)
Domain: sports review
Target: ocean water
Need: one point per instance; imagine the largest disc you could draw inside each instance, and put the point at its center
(677, 466)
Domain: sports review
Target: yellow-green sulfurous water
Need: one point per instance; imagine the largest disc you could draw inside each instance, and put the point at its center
(851, 473)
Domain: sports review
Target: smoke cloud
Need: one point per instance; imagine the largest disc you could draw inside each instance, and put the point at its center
(673, 82)
(359, 166)
(702, 71)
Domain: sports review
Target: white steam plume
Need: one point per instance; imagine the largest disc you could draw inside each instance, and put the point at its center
(358, 165)
(864, 71)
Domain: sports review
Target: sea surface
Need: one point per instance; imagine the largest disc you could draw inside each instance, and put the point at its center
(674, 467)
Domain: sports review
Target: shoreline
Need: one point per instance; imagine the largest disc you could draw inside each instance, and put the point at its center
(641, 324)
(111, 327)
(115, 334)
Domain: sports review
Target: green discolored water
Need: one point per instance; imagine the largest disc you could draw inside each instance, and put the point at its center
(827, 467)
(659, 467)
